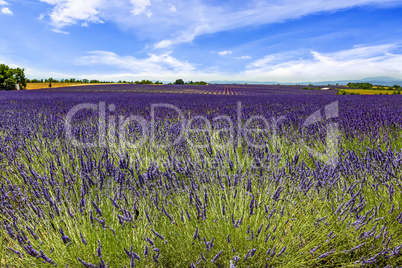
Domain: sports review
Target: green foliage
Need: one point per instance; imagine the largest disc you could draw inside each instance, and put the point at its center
(179, 82)
(9, 75)
(145, 82)
(341, 92)
(201, 83)
(9, 83)
(360, 85)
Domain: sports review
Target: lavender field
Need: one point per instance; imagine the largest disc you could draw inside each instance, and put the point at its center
(199, 176)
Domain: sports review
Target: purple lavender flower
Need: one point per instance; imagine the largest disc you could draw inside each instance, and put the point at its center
(46, 258)
(64, 237)
(281, 252)
(149, 240)
(195, 233)
(97, 209)
(277, 193)
(16, 252)
(203, 257)
(148, 218)
(314, 250)
(87, 265)
(32, 232)
(156, 257)
(356, 247)
(99, 249)
(158, 235)
(260, 229)
(236, 260)
(216, 256)
(326, 254)
(83, 239)
(188, 215)
(146, 251)
(273, 252)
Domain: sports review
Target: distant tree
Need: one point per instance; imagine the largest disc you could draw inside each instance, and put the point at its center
(360, 85)
(179, 82)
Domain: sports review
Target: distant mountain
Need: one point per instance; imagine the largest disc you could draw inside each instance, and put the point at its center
(381, 80)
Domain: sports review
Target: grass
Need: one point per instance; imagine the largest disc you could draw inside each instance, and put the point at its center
(301, 221)
(292, 201)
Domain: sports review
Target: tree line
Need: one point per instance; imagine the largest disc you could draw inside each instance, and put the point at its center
(374, 87)
(10, 77)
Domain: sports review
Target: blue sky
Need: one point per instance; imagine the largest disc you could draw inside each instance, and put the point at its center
(273, 40)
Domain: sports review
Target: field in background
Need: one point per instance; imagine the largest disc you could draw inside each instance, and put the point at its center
(213, 199)
(46, 85)
(214, 89)
(369, 91)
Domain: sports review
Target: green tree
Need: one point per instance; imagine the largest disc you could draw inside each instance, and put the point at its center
(9, 83)
(179, 82)
(9, 75)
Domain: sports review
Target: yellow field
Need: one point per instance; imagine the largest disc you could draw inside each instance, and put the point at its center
(46, 85)
(369, 91)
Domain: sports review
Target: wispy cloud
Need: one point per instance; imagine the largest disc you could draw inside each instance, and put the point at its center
(225, 52)
(243, 58)
(358, 62)
(140, 6)
(60, 31)
(154, 64)
(3, 3)
(183, 22)
(378, 60)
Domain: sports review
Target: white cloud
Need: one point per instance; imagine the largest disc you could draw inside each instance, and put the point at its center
(67, 12)
(163, 44)
(172, 8)
(156, 64)
(6, 11)
(358, 62)
(225, 52)
(3, 3)
(243, 58)
(60, 31)
(139, 6)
